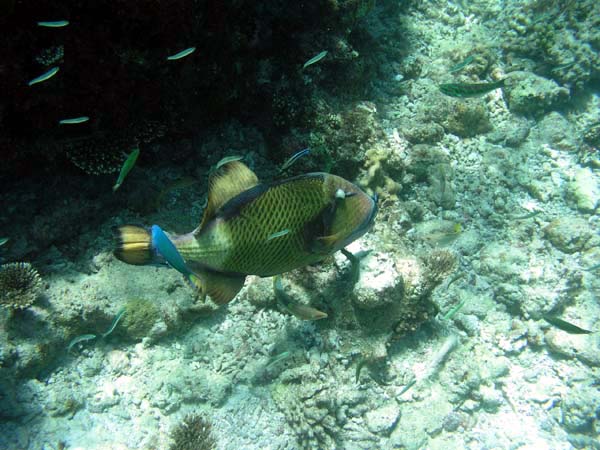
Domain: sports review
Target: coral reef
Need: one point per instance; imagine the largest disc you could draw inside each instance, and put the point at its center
(533, 95)
(559, 39)
(20, 285)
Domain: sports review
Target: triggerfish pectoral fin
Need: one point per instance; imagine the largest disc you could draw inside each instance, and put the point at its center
(329, 242)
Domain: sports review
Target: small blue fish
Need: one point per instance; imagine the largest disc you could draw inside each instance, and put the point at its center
(278, 234)
(127, 166)
(54, 24)
(164, 247)
(182, 54)
(74, 120)
(315, 59)
(43, 77)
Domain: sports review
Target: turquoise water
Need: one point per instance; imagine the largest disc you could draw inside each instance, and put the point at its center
(467, 317)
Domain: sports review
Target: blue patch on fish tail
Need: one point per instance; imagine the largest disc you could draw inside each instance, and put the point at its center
(164, 248)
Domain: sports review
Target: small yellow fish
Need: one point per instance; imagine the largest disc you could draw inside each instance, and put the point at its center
(322, 212)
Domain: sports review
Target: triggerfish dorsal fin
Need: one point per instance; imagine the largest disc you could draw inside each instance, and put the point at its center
(226, 182)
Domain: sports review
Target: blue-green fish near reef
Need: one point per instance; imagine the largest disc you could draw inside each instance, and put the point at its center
(463, 90)
(182, 54)
(322, 212)
(126, 167)
(53, 23)
(45, 76)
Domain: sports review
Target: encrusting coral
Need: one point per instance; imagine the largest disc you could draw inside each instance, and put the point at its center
(20, 285)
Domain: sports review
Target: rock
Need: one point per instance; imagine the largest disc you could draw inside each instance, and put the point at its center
(503, 261)
(379, 283)
(467, 119)
(421, 158)
(569, 234)
(583, 190)
(491, 399)
(530, 94)
(382, 420)
(579, 408)
(511, 134)
(424, 133)
(574, 346)
(556, 131)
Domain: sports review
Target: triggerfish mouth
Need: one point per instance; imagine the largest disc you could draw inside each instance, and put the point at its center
(249, 228)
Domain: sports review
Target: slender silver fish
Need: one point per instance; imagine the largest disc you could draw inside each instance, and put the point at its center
(278, 234)
(315, 59)
(295, 157)
(45, 76)
(74, 120)
(182, 54)
(228, 159)
(54, 24)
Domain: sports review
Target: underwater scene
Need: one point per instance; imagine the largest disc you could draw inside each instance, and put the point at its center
(310, 224)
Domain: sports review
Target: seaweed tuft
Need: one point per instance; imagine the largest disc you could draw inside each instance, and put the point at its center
(193, 433)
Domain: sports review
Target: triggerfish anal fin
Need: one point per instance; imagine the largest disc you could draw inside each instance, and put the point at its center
(221, 288)
(226, 182)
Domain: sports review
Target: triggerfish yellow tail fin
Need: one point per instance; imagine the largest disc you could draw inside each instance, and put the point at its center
(134, 245)
(138, 245)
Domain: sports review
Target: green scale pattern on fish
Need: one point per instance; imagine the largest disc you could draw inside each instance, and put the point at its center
(284, 206)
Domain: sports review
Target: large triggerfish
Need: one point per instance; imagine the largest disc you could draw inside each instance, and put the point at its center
(250, 228)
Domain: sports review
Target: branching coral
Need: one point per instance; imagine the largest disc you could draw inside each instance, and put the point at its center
(20, 285)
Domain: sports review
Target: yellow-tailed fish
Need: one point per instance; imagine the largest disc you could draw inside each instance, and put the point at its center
(127, 166)
(322, 212)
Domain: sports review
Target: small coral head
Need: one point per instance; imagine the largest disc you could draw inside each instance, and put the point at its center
(20, 285)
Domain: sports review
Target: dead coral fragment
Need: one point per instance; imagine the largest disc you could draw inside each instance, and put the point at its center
(20, 285)
(193, 433)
